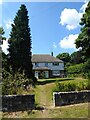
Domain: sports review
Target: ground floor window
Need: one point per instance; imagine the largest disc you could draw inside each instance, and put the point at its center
(56, 73)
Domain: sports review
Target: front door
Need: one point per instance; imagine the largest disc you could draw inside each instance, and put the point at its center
(46, 74)
(36, 74)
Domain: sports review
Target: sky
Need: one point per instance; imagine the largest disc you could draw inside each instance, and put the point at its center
(54, 25)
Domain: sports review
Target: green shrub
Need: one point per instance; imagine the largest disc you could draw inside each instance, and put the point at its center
(71, 86)
(79, 70)
(14, 84)
(75, 70)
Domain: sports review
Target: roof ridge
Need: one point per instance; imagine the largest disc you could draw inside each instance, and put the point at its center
(44, 58)
(41, 54)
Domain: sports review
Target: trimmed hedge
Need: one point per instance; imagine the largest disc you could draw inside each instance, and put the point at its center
(72, 86)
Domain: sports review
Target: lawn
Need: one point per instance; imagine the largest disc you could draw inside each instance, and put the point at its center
(44, 103)
(71, 111)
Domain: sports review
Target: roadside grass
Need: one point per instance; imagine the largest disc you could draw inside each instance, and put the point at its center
(43, 98)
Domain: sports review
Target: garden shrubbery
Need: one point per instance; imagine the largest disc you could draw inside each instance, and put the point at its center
(79, 70)
(14, 84)
(72, 86)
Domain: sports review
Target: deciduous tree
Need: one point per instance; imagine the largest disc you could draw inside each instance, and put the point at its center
(83, 40)
(64, 56)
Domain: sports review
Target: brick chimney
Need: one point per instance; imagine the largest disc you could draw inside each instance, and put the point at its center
(51, 53)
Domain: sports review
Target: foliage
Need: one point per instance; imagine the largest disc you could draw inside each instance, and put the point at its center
(19, 57)
(41, 75)
(14, 84)
(20, 43)
(1, 35)
(64, 56)
(77, 57)
(72, 86)
(83, 40)
(77, 70)
(5, 62)
(1, 31)
(1, 39)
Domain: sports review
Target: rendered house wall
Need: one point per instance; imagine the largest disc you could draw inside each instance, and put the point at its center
(51, 69)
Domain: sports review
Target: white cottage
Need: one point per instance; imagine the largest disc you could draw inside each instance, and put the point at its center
(47, 66)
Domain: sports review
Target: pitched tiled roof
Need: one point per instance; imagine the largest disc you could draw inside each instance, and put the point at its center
(44, 58)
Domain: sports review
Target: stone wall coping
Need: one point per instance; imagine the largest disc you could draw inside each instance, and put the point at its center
(17, 95)
(72, 92)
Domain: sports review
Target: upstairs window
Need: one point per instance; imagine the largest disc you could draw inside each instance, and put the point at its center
(56, 64)
(46, 64)
(36, 64)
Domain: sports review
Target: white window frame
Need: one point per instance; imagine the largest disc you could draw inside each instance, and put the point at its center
(56, 73)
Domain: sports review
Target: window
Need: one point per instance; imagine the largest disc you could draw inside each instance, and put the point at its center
(36, 64)
(56, 72)
(46, 64)
(55, 63)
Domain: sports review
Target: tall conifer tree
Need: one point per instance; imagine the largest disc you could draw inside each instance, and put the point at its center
(20, 43)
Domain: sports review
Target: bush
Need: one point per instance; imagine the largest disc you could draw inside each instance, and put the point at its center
(79, 70)
(75, 70)
(14, 84)
(72, 86)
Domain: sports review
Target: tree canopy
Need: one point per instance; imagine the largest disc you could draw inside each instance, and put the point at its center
(83, 40)
(77, 57)
(64, 56)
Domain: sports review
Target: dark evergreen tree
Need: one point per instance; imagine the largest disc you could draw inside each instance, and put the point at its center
(1, 36)
(20, 43)
(83, 40)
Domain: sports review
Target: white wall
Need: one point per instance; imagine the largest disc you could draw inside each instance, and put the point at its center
(51, 66)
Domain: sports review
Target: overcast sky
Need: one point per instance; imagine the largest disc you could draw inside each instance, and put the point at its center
(54, 25)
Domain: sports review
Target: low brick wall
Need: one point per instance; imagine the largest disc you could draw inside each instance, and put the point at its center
(67, 98)
(18, 102)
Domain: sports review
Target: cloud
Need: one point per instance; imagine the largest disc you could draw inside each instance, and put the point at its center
(70, 18)
(0, 1)
(5, 46)
(86, 1)
(8, 23)
(68, 41)
(54, 45)
(82, 9)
